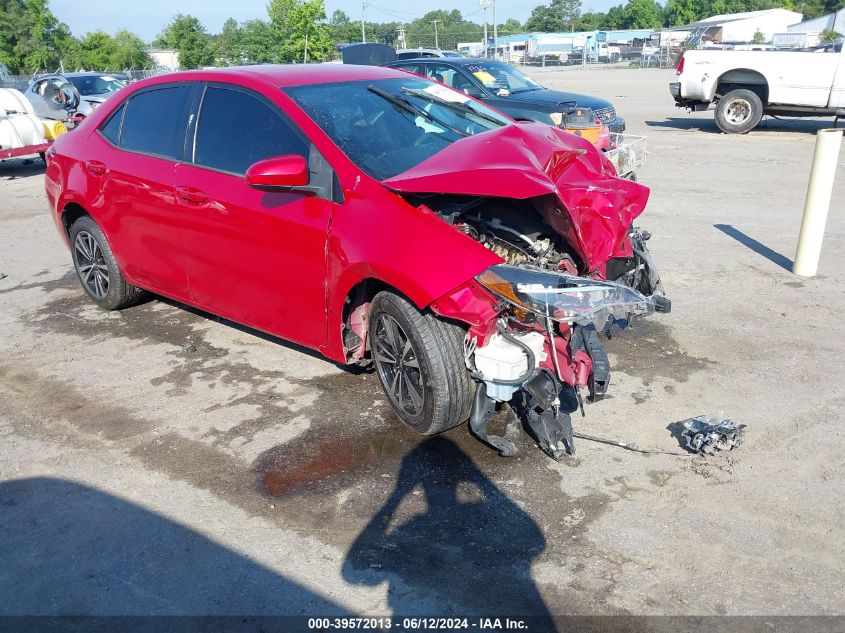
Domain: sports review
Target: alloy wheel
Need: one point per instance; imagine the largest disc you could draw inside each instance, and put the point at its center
(398, 365)
(91, 265)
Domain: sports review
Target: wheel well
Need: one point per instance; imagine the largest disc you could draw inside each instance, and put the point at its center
(356, 312)
(72, 212)
(743, 78)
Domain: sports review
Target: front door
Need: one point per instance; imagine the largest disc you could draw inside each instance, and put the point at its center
(256, 257)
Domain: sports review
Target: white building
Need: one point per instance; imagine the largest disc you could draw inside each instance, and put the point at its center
(732, 27)
(164, 58)
(471, 49)
(830, 22)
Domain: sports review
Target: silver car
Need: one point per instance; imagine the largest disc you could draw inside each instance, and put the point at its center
(68, 95)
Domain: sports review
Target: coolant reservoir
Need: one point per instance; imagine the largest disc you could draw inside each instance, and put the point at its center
(501, 360)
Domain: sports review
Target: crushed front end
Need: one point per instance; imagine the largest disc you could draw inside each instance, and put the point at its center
(539, 347)
(574, 266)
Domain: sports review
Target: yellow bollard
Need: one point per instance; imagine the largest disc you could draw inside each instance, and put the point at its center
(817, 203)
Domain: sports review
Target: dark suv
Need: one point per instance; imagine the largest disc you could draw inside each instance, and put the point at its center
(505, 88)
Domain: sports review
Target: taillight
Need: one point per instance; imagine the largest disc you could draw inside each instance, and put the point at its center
(680, 66)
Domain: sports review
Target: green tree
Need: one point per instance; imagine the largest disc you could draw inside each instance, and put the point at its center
(188, 36)
(130, 51)
(680, 12)
(615, 18)
(228, 44)
(257, 42)
(643, 14)
(97, 49)
(28, 36)
(759, 37)
(301, 30)
(829, 35)
(511, 27)
(560, 15)
(343, 29)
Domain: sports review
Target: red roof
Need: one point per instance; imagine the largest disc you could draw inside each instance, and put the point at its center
(280, 75)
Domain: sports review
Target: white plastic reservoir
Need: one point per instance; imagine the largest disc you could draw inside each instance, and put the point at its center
(501, 360)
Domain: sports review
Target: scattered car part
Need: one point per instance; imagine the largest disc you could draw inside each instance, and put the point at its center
(708, 435)
(628, 446)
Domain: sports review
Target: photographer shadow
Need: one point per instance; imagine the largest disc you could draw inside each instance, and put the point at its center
(450, 543)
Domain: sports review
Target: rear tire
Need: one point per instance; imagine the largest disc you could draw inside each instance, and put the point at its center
(739, 111)
(97, 269)
(420, 361)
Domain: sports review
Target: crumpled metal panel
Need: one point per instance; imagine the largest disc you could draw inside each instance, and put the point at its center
(530, 160)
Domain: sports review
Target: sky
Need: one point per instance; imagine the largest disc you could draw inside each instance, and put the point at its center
(149, 17)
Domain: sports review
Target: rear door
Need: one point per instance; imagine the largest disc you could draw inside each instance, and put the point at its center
(256, 257)
(131, 162)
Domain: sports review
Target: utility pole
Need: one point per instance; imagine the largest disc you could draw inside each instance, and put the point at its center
(401, 38)
(436, 40)
(495, 32)
(484, 5)
(363, 32)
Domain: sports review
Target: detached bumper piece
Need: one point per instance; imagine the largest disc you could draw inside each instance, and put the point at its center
(543, 404)
(709, 435)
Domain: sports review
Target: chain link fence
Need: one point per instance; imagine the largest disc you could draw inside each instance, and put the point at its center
(20, 82)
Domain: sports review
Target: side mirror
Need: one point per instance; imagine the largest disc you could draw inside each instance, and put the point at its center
(280, 172)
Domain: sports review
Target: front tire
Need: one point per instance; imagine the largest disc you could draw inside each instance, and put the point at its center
(97, 268)
(420, 362)
(739, 111)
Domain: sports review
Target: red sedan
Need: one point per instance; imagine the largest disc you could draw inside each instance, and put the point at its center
(374, 216)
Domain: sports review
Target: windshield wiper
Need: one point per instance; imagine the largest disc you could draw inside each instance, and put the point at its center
(406, 105)
(457, 105)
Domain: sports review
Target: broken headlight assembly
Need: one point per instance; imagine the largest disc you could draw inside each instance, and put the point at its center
(564, 298)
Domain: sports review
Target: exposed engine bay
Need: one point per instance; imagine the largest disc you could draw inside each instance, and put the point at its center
(544, 345)
(512, 229)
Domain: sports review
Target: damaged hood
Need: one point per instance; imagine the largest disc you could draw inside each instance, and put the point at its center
(534, 159)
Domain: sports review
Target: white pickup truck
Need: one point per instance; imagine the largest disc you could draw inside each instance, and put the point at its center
(745, 85)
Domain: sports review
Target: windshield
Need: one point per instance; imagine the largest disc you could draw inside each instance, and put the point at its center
(497, 75)
(388, 126)
(90, 85)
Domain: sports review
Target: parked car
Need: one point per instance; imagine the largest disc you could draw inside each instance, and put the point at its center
(417, 53)
(745, 85)
(370, 215)
(63, 96)
(506, 89)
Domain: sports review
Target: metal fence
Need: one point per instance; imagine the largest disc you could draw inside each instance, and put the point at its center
(20, 82)
(663, 58)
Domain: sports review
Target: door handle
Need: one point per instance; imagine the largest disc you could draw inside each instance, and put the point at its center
(96, 167)
(188, 194)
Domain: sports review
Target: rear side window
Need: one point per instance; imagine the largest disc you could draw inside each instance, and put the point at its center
(236, 130)
(154, 122)
(111, 128)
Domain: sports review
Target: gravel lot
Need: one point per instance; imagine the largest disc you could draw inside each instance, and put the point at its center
(160, 460)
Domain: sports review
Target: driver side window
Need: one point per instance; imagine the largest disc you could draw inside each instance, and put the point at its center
(453, 78)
